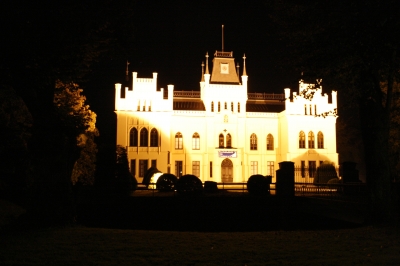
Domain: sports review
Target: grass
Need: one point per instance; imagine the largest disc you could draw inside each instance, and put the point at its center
(78, 245)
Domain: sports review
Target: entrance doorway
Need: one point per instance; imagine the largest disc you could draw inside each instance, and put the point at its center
(227, 171)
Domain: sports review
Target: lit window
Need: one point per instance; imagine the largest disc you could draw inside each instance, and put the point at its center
(178, 141)
(153, 138)
(144, 137)
(225, 119)
(320, 137)
(196, 141)
(253, 168)
(311, 142)
(196, 168)
(270, 142)
(229, 141)
(302, 140)
(221, 140)
(133, 137)
(253, 142)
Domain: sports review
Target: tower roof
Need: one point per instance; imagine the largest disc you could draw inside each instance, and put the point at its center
(223, 70)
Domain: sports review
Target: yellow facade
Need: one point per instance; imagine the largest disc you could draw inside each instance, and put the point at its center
(221, 132)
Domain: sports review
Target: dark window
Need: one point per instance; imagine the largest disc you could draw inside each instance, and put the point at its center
(270, 142)
(238, 107)
(253, 142)
(133, 168)
(144, 137)
(320, 137)
(211, 169)
(221, 140)
(133, 137)
(311, 141)
(312, 167)
(178, 168)
(228, 141)
(154, 163)
(154, 138)
(302, 140)
(143, 166)
(303, 169)
(219, 107)
(212, 106)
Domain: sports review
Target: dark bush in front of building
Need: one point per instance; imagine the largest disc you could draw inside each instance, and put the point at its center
(210, 187)
(166, 182)
(325, 172)
(258, 185)
(189, 185)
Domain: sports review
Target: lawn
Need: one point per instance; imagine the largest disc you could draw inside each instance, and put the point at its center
(78, 245)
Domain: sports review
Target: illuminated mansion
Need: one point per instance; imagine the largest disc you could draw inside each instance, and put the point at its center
(221, 132)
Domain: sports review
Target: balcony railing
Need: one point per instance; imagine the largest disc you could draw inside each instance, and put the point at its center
(265, 96)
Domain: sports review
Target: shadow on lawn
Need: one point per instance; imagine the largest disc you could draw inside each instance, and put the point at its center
(213, 214)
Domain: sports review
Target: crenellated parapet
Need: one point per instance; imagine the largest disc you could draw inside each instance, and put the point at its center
(310, 101)
(143, 96)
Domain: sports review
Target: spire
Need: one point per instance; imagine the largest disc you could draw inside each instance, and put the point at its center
(207, 72)
(127, 71)
(202, 71)
(244, 65)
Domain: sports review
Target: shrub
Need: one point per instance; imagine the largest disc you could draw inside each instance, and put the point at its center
(258, 185)
(189, 185)
(210, 187)
(325, 172)
(166, 182)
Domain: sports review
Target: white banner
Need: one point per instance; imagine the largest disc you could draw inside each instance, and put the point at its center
(227, 154)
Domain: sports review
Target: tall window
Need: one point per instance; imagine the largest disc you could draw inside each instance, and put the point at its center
(228, 141)
(238, 107)
(226, 106)
(253, 167)
(211, 169)
(178, 141)
(178, 168)
(144, 137)
(302, 140)
(270, 142)
(312, 168)
(232, 106)
(154, 138)
(196, 141)
(212, 106)
(311, 141)
(221, 140)
(154, 163)
(142, 167)
(253, 142)
(305, 109)
(219, 107)
(303, 168)
(320, 137)
(196, 168)
(270, 168)
(133, 137)
(133, 168)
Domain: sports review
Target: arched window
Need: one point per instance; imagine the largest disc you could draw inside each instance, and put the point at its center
(311, 142)
(221, 140)
(196, 141)
(320, 137)
(178, 141)
(302, 140)
(219, 107)
(253, 142)
(228, 141)
(212, 106)
(154, 138)
(144, 137)
(238, 107)
(133, 137)
(270, 142)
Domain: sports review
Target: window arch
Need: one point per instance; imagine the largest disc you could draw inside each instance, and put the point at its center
(178, 141)
(320, 138)
(270, 142)
(221, 140)
(154, 138)
(311, 142)
(253, 142)
(302, 140)
(133, 137)
(196, 141)
(144, 137)
(228, 141)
